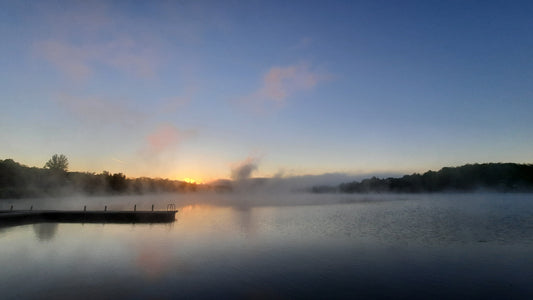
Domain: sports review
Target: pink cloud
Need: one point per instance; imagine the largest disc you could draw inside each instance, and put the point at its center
(280, 83)
(165, 137)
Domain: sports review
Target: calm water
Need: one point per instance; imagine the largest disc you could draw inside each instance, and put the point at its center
(468, 246)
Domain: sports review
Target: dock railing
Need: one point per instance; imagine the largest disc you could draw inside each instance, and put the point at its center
(171, 207)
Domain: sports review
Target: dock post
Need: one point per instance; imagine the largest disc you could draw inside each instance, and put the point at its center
(152, 207)
(105, 208)
(135, 207)
(85, 208)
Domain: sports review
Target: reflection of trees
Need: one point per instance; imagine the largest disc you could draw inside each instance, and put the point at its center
(45, 231)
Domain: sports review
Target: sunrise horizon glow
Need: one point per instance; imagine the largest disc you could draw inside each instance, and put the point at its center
(192, 90)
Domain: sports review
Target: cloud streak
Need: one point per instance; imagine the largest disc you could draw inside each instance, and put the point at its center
(80, 61)
(165, 137)
(280, 83)
(84, 37)
(99, 111)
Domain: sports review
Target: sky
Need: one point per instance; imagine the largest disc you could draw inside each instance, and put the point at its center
(197, 89)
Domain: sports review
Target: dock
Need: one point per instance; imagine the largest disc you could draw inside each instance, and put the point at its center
(14, 217)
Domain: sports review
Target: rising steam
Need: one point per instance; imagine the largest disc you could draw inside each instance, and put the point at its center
(244, 169)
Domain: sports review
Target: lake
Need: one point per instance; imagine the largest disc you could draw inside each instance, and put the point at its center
(279, 246)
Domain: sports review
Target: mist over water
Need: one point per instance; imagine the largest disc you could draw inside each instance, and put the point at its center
(282, 246)
(245, 194)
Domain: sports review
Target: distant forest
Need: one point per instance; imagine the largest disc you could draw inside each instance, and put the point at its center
(54, 179)
(496, 177)
(20, 181)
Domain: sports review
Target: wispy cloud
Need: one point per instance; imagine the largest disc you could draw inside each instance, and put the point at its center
(79, 61)
(280, 83)
(87, 35)
(166, 137)
(118, 160)
(100, 111)
(71, 60)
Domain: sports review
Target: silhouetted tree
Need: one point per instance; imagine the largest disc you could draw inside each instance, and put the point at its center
(117, 182)
(57, 163)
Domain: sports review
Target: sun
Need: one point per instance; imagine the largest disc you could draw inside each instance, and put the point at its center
(190, 180)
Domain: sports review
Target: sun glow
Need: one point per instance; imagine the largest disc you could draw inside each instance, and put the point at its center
(190, 180)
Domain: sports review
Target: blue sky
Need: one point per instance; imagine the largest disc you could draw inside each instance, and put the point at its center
(192, 89)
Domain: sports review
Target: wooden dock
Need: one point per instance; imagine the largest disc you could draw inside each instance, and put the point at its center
(14, 217)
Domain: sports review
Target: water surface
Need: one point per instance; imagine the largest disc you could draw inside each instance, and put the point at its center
(282, 246)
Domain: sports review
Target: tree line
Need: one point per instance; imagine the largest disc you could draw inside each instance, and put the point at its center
(54, 179)
(497, 177)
